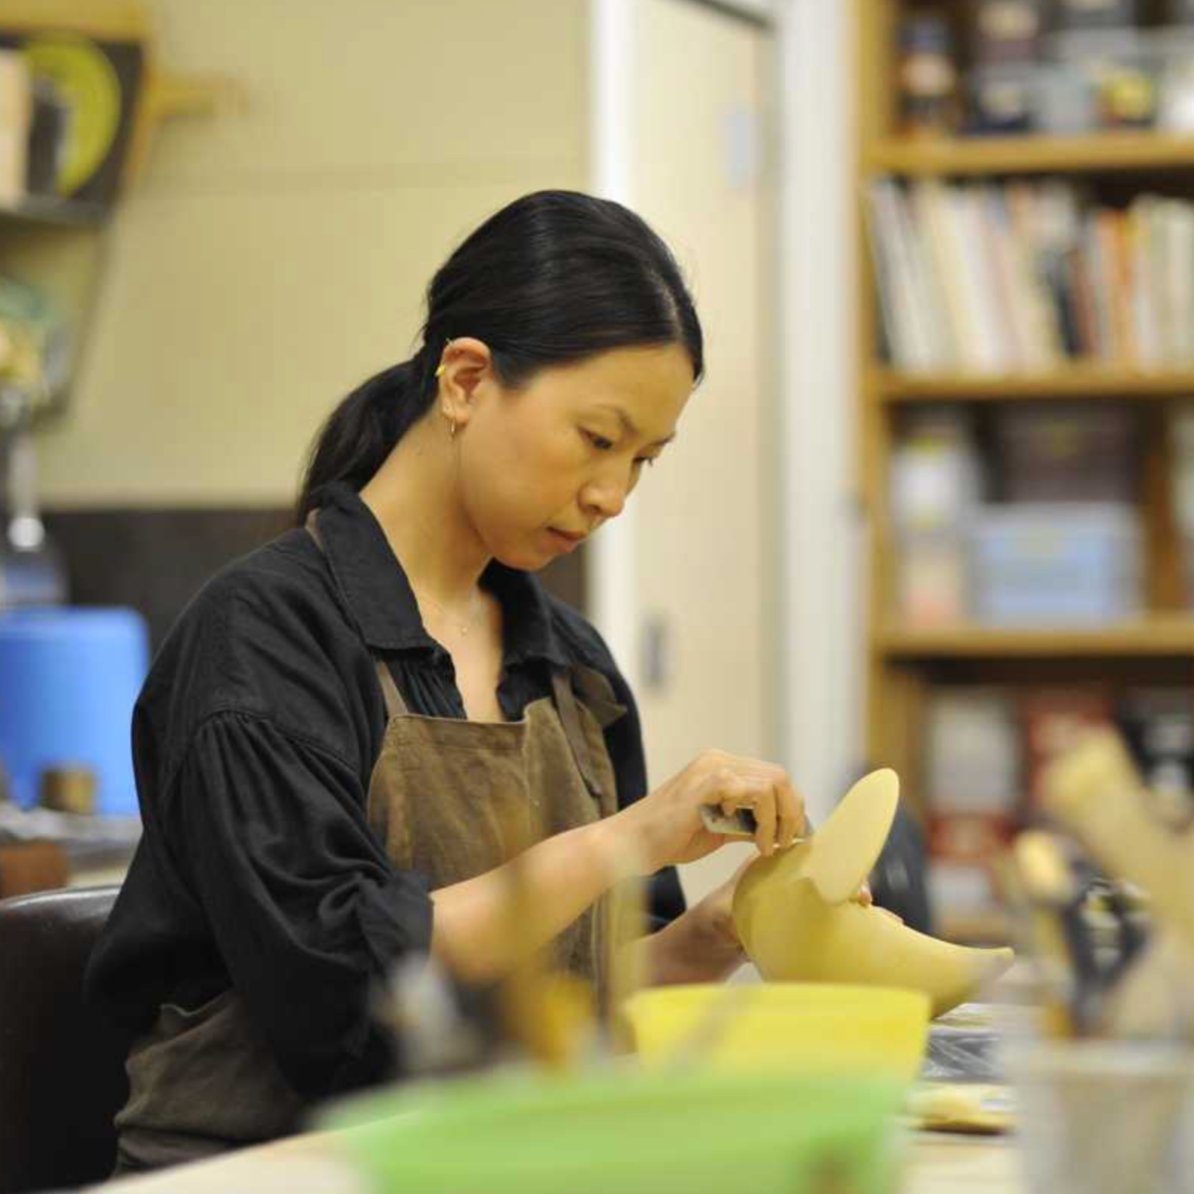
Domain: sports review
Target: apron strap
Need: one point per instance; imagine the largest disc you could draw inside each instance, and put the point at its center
(569, 711)
(395, 705)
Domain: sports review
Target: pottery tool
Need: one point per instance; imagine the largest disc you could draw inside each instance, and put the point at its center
(1096, 793)
(1048, 894)
(739, 822)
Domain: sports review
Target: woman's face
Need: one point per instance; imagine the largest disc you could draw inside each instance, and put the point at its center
(544, 466)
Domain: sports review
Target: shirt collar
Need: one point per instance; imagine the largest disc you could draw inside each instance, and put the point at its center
(379, 595)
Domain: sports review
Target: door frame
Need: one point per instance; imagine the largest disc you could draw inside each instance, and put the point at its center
(819, 679)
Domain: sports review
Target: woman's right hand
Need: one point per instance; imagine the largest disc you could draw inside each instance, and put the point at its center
(665, 827)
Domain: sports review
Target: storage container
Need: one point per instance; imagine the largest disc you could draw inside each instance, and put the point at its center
(1056, 564)
(69, 678)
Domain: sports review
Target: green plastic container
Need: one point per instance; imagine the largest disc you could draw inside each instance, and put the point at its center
(621, 1131)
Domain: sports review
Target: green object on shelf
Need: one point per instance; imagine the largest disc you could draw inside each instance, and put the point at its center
(626, 1130)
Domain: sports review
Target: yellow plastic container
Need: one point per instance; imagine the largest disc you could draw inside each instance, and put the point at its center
(807, 1027)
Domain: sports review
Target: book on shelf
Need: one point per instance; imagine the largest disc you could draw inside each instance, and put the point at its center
(1055, 719)
(1025, 276)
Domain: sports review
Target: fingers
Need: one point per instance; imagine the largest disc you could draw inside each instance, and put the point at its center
(864, 896)
(765, 819)
(790, 809)
(765, 789)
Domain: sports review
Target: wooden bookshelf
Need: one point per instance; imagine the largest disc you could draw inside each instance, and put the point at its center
(903, 663)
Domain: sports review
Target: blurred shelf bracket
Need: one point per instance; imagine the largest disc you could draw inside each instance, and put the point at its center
(170, 95)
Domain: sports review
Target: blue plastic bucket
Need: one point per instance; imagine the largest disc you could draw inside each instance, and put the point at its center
(69, 678)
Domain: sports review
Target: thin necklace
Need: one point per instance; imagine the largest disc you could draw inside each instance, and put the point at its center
(462, 627)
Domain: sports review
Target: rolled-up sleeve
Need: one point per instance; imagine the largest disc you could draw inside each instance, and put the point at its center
(305, 908)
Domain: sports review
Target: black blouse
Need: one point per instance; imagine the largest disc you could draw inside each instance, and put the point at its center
(254, 739)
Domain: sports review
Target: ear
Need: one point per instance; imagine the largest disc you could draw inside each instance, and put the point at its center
(464, 369)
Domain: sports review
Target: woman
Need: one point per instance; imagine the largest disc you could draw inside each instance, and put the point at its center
(342, 725)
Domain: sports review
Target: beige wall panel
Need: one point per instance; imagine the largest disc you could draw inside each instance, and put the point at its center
(355, 88)
(271, 259)
(230, 326)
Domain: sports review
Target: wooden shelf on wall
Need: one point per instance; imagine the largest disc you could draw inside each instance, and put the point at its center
(1079, 380)
(1169, 635)
(60, 243)
(1101, 153)
(37, 209)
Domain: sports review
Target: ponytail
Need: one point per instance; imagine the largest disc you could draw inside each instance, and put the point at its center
(362, 431)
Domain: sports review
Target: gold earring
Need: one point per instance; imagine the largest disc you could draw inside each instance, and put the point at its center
(442, 366)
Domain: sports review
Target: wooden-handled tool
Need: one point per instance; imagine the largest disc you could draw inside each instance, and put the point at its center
(1096, 793)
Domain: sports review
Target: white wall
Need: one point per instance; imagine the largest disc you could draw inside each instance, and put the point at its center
(825, 535)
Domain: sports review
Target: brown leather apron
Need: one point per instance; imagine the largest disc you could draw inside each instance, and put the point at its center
(442, 795)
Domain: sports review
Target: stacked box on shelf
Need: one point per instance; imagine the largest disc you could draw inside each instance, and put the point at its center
(1065, 547)
(1041, 564)
(1065, 452)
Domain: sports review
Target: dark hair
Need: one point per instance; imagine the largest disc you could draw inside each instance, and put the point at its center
(553, 278)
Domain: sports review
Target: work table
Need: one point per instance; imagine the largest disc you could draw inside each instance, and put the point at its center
(310, 1164)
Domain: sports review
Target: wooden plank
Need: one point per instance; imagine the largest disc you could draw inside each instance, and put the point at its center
(1164, 574)
(115, 20)
(874, 39)
(873, 25)
(1103, 152)
(1159, 636)
(1073, 381)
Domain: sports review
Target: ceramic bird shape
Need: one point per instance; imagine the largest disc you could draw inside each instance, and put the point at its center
(798, 921)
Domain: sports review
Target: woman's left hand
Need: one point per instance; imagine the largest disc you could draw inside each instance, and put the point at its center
(717, 908)
(703, 945)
